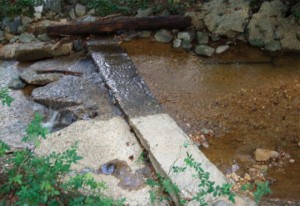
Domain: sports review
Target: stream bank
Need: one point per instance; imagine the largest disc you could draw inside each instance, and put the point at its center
(244, 98)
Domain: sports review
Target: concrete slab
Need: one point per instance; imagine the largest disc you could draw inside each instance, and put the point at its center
(165, 142)
(121, 77)
(101, 142)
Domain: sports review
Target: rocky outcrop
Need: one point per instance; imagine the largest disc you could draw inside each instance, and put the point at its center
(271, 30)
(226, 18)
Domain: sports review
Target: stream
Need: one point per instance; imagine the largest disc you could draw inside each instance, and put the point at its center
(249, 99)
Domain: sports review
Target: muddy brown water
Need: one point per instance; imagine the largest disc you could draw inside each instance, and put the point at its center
(248, 98)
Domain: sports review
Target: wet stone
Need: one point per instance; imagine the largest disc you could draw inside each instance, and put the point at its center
(221, 49)
(120, 75)
(44, 37)
(163, 36)
(204, 50)
(186, 35)
(273, 46)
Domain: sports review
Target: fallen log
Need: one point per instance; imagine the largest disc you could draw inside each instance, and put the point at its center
(129, 23)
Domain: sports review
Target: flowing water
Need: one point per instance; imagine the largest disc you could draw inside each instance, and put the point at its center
(249, 99)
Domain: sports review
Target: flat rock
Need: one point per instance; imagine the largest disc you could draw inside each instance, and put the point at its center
(121, 77)
(100, 143)
(73, 91)
(34, 51)
(31, 77)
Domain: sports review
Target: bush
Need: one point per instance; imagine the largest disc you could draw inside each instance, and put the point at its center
(12, 8)
(28, 179)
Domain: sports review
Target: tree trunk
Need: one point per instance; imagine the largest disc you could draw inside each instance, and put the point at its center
(103, 26)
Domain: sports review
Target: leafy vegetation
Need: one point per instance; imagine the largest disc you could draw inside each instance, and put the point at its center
(13, 8)
(28, 179)
(205, 186)
(4, 97)
(259, 189)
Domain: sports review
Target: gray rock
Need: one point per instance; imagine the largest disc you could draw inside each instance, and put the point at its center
(163, 36)
(298, 35)
(177, 43)
(16, 84)
(265, 24)
(91, 12)
(34, 51)
(5, 22)
(165, 12)
(14, 39)
(144, 12)
(88, 18)
(186, 44)
(39, 9)
(186, 35)
(80, 10)
(37, 15)
(221, 49)
(273, 46)
(204, 50)
(26, 38)
(256, 42)
(226, 18)
(54, 5)
(1, 35)
(14, 25)
(26, 21)
(31, 77)
(21, 29)
(202, 37)
(78, 45)
(44, 37)
(145, 34)
(221, 203)
(8, 36)
(72, 14)
(73, 91)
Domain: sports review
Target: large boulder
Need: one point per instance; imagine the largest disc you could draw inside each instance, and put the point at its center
(269, 26)
(226, 18)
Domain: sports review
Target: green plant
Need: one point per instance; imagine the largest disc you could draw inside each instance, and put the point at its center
(45, 180)
(5, 98)
(259, 189)
(14, 8)
(205, 186)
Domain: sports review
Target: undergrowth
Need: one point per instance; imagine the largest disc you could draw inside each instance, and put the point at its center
(12, 8)
(29, 179)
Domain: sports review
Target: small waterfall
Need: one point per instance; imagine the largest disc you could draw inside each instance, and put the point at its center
(51, 122)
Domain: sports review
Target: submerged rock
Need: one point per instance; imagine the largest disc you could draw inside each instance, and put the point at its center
(163, 36)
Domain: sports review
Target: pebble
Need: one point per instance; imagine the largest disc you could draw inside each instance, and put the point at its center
(292, 161)
(221, 49)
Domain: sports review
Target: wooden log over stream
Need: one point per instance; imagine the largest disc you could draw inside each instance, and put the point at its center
(102, 26)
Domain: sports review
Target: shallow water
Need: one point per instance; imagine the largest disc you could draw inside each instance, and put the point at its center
(248, 98)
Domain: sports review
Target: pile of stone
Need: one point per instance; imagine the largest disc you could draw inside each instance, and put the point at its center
(270, 29)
